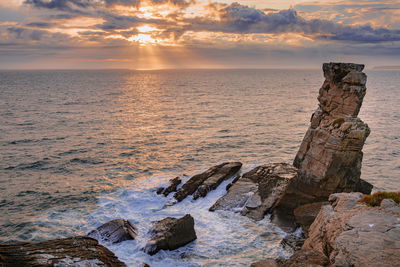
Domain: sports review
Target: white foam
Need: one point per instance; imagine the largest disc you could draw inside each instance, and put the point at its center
(222, 237)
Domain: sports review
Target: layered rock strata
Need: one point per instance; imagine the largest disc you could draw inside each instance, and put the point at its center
(73, 251)
(114, 231)
(171, 233)
(329, 158)
(258, 191)
(200, 184)
(347, 233)
(352, 234)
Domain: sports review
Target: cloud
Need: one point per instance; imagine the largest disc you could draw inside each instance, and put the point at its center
(65, 5)
(237, 18)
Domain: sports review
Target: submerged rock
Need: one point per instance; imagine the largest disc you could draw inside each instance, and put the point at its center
(171, 233)
(351, 234)
(207, 181)
(257, 191)
(114, 231)
(329, 158)
(73, 251)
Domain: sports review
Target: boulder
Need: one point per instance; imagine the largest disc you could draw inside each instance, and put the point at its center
(306, 214)
(207, 181)
(352, 234)
(114, 231)
(73, 251)
(257, 191)
(330, 156)
(171, 188)
(171, 233)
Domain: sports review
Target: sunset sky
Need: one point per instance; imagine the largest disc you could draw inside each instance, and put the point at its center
(156, 34)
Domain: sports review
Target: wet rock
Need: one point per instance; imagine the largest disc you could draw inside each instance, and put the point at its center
(257, 191)
(306, 214)
(330, 156)
(293, 242)
(73, 251)
(351, 234)
(208, 180)
(171, 233)
(114, 231)
(174, 183)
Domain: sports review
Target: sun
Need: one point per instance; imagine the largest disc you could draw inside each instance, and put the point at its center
(142, 39)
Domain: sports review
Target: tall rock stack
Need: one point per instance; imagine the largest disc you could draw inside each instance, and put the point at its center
(329, 158)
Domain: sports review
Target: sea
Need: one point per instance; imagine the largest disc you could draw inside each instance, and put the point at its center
(81, 147)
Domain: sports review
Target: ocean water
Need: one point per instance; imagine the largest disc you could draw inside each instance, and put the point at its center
(79, 148)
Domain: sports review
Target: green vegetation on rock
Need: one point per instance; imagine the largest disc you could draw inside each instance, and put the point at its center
(376, 198)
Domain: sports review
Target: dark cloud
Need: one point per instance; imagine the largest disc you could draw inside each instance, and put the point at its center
(40, 24)
(237, 18)
(65, 5)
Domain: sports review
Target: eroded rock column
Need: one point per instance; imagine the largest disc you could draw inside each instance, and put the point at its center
(329, 158)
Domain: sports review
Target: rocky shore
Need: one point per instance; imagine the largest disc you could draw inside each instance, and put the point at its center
(320, 192)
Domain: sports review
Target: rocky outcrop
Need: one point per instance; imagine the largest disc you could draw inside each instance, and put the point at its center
(201, 184)
(352, 234)
(329, 158)
(114, 231)
(73, 251)
(174, 183)
(257, 191)
(171, 233)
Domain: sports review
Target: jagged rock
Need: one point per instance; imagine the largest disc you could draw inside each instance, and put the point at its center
(306, 214)
(329, 158)
(351, 234)
(114, 231)
(171, 188)
(208, 180)
(257, 191)
(171, 233)
(73, 251)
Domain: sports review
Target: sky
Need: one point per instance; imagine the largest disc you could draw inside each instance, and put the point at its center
(159, 34)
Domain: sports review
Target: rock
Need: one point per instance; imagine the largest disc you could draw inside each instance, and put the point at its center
(208, 180)
(257, 191)
(114, 231)
(293, 242)
(171, 188)
(73, 251)
(160, 190)
(285, 220)
(302, 258)
(306, 257)
(266, 263)
(330, 156)
(171, 233)
(345, 201)
(306, 214)
(351, 234)
(388, 203)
